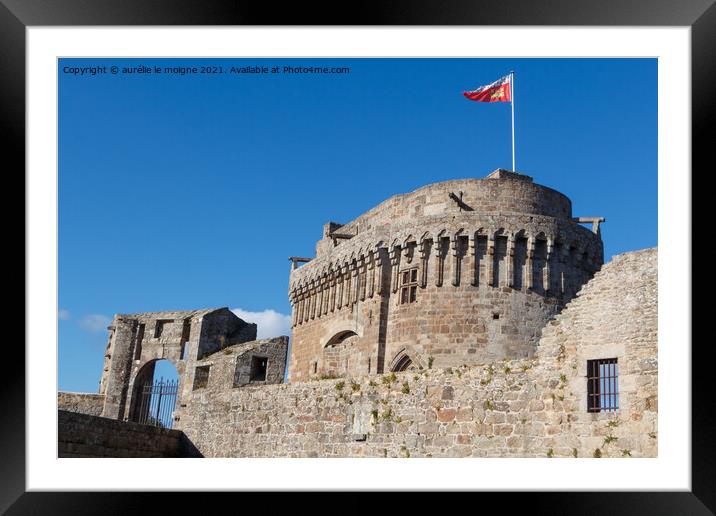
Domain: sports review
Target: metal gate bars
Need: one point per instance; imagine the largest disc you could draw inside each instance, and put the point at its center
(157, 403)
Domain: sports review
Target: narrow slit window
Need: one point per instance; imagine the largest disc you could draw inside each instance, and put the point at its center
(602, 385)
(138, 345)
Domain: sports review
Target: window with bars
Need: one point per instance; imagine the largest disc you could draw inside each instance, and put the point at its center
(602, 385)
(409, 286)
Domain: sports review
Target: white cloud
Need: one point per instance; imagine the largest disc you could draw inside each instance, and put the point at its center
(95, 322)
(270, 322)
(63, 315)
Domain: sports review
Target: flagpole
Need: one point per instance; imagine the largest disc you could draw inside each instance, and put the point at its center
(512, 102)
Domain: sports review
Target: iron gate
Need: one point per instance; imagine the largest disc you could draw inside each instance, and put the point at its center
(157, 403)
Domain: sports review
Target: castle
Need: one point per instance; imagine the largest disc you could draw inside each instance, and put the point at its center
(460, 272)
(468, 318)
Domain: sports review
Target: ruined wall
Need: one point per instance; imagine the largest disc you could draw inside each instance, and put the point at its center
(222, 328)
(490, 268)
(82, 435)
(532, 407)
(82, 402)
(232, 366)
(273, 351)
(138, 341)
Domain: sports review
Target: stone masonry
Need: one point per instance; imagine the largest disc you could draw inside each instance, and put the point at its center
(463, 271)
(84, 435)
(529, 407)
(469, 318)
(82, 402)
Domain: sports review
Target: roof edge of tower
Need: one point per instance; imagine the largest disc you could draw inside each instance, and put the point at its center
(502, 173)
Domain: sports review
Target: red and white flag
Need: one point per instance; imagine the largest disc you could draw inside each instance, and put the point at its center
(498, 91)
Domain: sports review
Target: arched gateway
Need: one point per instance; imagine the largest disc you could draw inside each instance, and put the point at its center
(154, 394)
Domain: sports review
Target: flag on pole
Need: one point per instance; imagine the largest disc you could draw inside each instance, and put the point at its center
(502, 90)
(498, 91)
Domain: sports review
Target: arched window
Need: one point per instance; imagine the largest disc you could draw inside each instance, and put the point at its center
(403, 364)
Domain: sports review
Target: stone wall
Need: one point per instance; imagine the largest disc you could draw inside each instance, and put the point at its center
(82, 402)
(500, 191)
(614, 316)
(534, 407)
(83, 435)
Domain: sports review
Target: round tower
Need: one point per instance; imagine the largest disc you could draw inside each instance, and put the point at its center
(458, 272)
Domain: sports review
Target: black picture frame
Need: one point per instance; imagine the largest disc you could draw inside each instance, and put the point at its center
(17, 15)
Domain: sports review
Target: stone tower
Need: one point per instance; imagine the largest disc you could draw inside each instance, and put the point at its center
(458, 272)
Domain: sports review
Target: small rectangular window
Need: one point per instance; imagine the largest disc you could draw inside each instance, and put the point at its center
(409, 286)
(258, 369)
(602, 385)
(201, 377)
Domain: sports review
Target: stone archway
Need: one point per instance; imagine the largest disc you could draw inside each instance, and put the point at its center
(154, 393)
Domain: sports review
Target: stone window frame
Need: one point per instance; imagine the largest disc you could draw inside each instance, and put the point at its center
(602, 385)
(408, 292)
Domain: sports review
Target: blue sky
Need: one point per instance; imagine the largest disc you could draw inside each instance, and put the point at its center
(181, 192)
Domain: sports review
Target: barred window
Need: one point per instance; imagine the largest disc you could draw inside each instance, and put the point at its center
(602, 385)
(408, 286)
